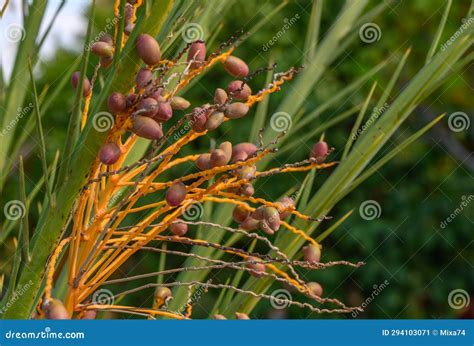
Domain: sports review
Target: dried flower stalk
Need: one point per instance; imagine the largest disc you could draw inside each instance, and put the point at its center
(100, 242)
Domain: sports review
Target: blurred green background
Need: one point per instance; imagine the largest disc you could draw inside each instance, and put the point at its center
(406, 246)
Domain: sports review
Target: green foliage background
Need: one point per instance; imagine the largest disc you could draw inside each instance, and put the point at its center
(417, 190)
